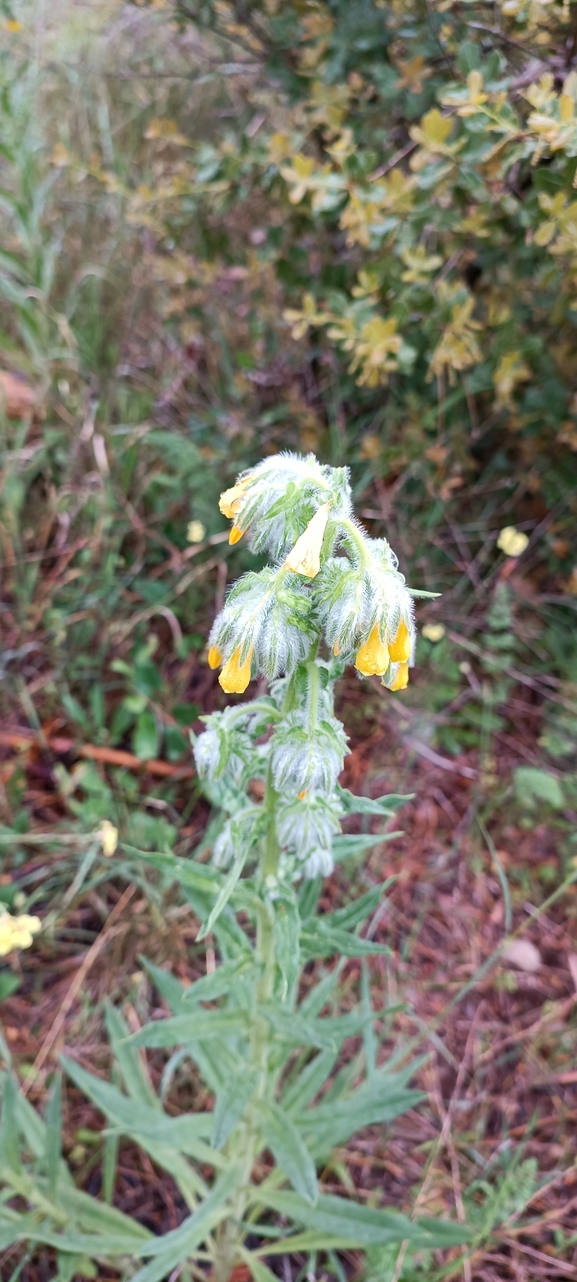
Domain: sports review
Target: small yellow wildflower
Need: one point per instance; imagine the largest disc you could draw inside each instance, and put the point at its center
(511, 541)
(108, 835)
(17, 932)
(305, 557)
(230, 500)
(301, 795)
(433, 632)
(195, 532)
(400, 647)
(214, 657)
(12, 24)
(235, 675)
(373, 657)
(235, 534)
(400, 679)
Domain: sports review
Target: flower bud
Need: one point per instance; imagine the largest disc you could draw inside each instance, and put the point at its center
(305, 556)
(304, 824)
(305, 757)
(276, 500)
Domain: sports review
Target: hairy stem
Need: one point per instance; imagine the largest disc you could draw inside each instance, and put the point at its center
(244, 1139)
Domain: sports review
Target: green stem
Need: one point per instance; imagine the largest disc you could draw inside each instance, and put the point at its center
(244, 1140)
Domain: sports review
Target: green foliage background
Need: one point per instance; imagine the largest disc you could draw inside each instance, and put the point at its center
(229, 229)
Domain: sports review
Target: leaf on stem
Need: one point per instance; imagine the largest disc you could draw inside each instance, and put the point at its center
(289, 1149)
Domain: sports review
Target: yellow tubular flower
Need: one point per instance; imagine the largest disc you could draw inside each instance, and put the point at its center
(17, 932)
(214, 657)
(235, 675)
(401, 680)
(305, 557)
(373, 657)
(400, 648)
(230, 500)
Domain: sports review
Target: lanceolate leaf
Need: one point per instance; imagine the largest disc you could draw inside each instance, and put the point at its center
(357, 1225)
(350, 846)
(258, 1270)
(354, 805)
(224, 893)
(358, 910)
(197, 1025)
(169, 1137)
(129, 1059)
(288, 1149)
(231, 1101)
(324, 941)
(286, 937)
(309, 1081)
(328, 1125)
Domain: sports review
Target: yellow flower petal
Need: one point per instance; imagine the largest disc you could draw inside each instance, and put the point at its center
(214, 657)
(235, 675)
(401, 680)
(400, 648)
(305, 557)
(511, 541)
(235, 535)
(230, 500)
(373, 657)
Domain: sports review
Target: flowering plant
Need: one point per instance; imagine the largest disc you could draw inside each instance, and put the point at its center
(332, 589)
(288, 1085)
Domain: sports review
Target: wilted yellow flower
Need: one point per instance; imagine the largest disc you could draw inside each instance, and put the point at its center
(400, 647)
(195, 532)
(306, 554)
(17, 932)
(399, 680)
(433, 631)
(235, 675)
(108, 835)
(373, 657)
(214, 657)
(510, 371)
(512, 541)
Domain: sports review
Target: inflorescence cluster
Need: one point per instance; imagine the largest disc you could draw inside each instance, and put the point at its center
(329, 590)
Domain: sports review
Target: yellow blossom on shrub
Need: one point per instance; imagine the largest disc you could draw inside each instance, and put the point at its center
(433, 632)
(17, 932)
(511, 541)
